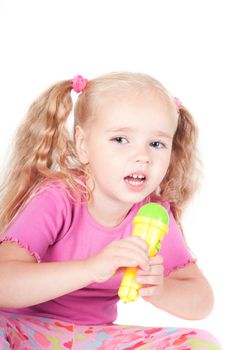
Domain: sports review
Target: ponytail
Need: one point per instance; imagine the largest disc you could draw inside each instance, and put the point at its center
(43, 150)
(182, 178)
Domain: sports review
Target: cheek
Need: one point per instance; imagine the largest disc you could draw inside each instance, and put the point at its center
(167, 161)
(100, 163)
(164, 165)
(165, 158)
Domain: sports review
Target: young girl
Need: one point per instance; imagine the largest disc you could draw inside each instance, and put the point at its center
(66, 218)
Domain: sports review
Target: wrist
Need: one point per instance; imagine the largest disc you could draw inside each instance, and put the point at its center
(89, 270)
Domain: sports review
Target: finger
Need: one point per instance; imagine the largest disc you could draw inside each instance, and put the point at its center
(149, 280)
(139, 241)
(130, 258)
(149, 291)
(133, 252)
(122, 262)
(156, 260)
(154, 270)
(131, 245)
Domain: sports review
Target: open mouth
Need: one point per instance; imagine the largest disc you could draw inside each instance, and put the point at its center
(135, 179)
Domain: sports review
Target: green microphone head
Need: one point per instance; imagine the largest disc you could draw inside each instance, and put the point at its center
(154, 211)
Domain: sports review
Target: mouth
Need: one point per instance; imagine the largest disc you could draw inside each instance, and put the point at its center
(135, 179)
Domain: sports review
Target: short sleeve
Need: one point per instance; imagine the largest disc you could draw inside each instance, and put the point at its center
(174, 249)
(40, 223)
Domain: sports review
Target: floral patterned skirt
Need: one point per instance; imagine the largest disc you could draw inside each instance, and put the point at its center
(22, 332)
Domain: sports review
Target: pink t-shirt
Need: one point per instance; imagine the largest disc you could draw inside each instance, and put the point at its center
(54, 228)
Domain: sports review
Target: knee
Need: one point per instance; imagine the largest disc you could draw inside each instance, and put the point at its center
(205, 340)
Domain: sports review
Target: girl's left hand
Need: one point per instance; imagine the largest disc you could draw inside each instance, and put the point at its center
(151, 280)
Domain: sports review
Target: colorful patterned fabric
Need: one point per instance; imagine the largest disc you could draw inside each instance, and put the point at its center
(21, 332)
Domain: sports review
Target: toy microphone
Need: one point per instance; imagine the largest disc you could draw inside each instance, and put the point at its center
(151, 224)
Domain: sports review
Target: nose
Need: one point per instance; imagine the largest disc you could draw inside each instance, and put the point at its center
(142, 156)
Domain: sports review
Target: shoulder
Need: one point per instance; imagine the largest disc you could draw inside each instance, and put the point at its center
(44, 219)
(51, 202)
(54, 193)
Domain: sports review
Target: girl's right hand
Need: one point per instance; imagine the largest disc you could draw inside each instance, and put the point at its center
(128, 252)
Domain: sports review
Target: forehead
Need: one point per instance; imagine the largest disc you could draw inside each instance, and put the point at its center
(117, 110)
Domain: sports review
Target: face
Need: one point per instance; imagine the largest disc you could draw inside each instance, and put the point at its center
(128, 147)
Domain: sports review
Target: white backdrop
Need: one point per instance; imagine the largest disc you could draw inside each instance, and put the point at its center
(184, 44)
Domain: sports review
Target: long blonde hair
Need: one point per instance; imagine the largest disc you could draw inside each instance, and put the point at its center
(44, 150)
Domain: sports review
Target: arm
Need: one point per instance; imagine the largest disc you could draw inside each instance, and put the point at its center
(24, 282)
(184, 293)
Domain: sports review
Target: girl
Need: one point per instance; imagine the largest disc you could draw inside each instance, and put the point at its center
(67, 207)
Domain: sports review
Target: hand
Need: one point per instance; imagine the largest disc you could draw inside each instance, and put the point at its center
(128, 252)
(151, 280)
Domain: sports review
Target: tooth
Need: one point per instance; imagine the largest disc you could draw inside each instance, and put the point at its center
(135, 183)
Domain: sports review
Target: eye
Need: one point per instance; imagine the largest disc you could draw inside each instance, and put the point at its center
(158, 144)
(120, 139)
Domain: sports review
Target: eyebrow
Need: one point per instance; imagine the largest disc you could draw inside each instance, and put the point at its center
(129, 129)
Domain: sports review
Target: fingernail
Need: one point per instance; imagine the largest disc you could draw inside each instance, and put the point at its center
(134, 263)
(142, 292)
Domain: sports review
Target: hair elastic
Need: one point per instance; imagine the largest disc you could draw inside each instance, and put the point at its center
(178, 102)
(79, 83)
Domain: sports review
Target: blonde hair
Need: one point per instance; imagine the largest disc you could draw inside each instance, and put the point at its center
(44, 150)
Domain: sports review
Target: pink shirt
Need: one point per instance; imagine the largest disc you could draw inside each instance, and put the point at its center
(54, 228)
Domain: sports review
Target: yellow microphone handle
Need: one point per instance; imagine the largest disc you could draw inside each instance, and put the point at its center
(152, 231)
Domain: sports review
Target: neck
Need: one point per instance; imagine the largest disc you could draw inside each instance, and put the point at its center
(108, 214)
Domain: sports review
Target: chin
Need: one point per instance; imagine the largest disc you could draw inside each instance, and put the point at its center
(134, 199)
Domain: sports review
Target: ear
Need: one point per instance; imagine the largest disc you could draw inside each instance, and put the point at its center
(80, 141)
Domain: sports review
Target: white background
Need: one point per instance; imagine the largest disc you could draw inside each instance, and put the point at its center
(184, 44)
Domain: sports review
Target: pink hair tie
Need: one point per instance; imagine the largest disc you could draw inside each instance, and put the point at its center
(178, 102)
(79, 83)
